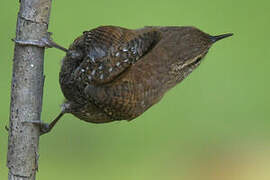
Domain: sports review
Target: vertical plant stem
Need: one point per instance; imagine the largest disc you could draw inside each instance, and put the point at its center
(27, 90)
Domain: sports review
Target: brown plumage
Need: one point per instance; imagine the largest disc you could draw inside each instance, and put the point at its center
(112, 73)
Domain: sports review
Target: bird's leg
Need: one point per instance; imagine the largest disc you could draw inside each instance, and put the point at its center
(50, 43)
(45, 127)
(46, 41)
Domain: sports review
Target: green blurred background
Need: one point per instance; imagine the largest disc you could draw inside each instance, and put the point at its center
(214, 125)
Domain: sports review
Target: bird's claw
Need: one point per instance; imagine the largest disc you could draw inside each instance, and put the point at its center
(46, 41)
(44, 127)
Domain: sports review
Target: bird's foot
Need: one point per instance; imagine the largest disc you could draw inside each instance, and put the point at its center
(45, 41)
(44, 127)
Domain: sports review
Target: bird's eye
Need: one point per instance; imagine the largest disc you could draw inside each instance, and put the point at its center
(198, 60)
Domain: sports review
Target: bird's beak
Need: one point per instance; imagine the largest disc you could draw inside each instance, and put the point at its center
(219, 37)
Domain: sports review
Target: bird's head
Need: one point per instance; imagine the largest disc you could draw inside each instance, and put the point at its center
(194, 45)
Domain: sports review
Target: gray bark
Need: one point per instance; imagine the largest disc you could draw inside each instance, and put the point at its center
(27, 90)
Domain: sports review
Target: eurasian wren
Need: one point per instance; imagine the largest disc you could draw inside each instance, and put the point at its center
(112, 73)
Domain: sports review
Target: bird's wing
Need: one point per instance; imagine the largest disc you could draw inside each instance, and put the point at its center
(110, 50)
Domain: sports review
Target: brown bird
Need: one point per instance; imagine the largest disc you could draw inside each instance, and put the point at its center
(112, 73)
